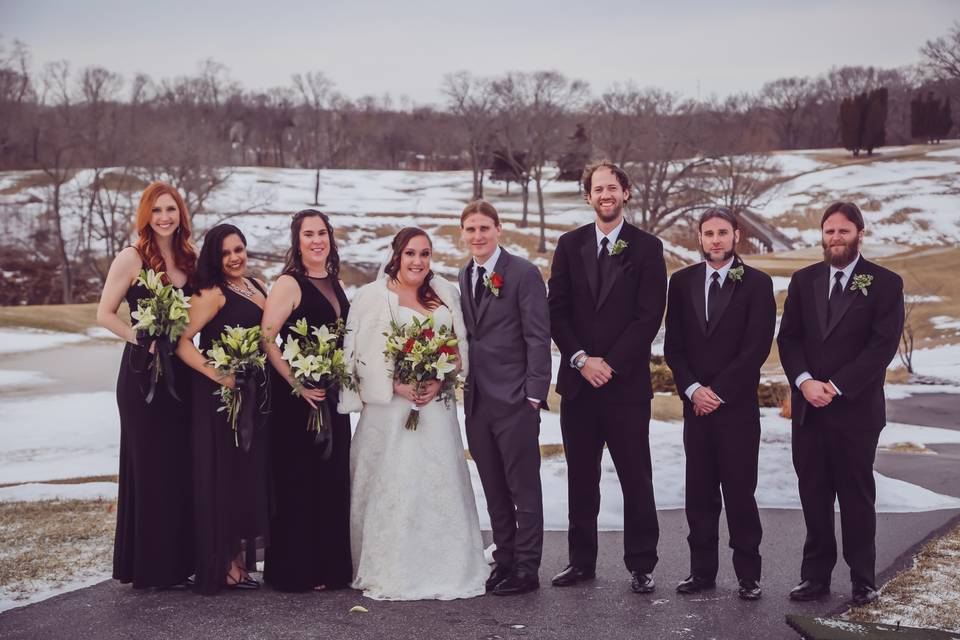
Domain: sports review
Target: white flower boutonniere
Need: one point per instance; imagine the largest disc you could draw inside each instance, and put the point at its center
(861, 282)
(735, 274)
(618, 247)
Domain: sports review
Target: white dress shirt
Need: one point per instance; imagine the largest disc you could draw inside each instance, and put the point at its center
(612, 238)
(708, 273)
(847, 272)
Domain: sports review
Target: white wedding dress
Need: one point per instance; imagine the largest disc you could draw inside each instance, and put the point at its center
(414, 530)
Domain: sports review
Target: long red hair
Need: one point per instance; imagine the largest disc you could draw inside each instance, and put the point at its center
(184, 253)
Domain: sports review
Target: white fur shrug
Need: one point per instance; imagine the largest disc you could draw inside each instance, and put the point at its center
(371, 310)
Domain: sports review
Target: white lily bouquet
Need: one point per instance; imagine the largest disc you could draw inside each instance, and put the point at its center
(237, 353)
(421, 353)
(160, 318)
(317, 362)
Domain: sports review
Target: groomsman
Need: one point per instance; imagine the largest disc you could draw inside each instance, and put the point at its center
(841, 325)
(607, 293)
(721, 316)
(505, 309)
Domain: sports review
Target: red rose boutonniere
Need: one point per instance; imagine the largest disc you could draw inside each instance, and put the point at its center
(494, 282)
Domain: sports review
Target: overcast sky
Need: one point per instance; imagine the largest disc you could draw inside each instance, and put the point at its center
(406, 46)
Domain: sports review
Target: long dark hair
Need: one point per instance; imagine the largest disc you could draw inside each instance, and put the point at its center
(210, 262)
(293, 262)
(426, 296)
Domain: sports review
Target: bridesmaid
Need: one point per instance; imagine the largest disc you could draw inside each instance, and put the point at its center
(230, 482)
(152, 547)
(310, 529)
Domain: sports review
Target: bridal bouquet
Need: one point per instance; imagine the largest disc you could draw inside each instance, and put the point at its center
(160, 318)
(318, 363)
(237, 353)
(420, 353)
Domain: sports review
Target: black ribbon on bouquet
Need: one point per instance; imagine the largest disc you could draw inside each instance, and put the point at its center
(323, 420)
(161, 366)
(246, 387)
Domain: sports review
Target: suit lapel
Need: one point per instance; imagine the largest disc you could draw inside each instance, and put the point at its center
(466, 292)
(500, 268)
(727, 292)
(848, 297)
(615, 264)
(820, 292)
(588, 251)
(696, 292)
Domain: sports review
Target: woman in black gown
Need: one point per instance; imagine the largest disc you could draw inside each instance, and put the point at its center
(310, 529)
(230, 481)
(152, 546)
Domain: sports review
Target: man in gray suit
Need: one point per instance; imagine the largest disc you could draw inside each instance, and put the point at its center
(505, 309)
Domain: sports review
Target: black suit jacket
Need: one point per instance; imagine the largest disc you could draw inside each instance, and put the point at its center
(852, 350)
(726, 355)
(617, 323)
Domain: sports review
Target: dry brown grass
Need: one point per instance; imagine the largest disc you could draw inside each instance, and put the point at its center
(925, 595)
(73, 318)
(51, 542)
(906, 447)
(27, 180)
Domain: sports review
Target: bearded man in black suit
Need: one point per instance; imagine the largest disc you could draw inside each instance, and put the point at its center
(607, 292)
(721, 316)
(841, 325)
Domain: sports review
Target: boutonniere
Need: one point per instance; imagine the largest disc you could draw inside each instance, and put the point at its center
(493, 282)
(735, 274)
(861, 282)
(618, 247)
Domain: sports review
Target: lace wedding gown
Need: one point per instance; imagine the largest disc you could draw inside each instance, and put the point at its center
(414, 530)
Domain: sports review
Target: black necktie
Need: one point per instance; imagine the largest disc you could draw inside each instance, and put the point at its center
(836, 294)
(713, 296)
(478, 288)
(602, 263)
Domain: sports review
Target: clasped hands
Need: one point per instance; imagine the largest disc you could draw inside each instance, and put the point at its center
(596, 371)
(418, 394)
(817, 393)
(705, 401)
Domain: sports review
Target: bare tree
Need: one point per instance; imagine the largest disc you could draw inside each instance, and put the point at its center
(788, 101)
(616, 122)
(739, 182)
(943, 54)
(472, 100)
(323, 129)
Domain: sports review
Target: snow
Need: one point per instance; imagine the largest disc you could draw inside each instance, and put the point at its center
(43, 589)
(18, 379)
(34, 491)
(16, 340)
(901, 391)
(940, 362)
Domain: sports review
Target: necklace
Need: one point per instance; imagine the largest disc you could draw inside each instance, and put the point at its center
(246, 290)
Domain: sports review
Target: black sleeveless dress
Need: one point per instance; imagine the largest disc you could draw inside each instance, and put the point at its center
(153, 546)
(310, 527)
(230, 484)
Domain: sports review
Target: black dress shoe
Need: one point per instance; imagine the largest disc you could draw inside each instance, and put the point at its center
(498, 575)
(863, 594)
(245, 583)
(749, 590)
(572, 575)
(809, 590)
(641, 582)
(518, 582)
(695, 584)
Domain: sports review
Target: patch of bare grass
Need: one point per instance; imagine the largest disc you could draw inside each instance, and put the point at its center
(926, 595)
(52, 543)
(906, 447)
(73, 318)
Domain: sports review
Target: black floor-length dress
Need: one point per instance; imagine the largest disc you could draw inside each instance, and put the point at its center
(153, 545)
(310, 527)
(230, 484)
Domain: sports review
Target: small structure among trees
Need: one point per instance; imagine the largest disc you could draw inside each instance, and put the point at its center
(863, 121)
(930, 118)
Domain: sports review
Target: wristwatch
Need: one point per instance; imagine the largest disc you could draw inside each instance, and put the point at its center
(580, 361)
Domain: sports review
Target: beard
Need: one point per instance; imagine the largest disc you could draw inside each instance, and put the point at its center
(726, 255)
(845, 257)
(608, 217)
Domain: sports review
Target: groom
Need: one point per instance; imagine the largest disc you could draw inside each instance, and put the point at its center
(508, 328)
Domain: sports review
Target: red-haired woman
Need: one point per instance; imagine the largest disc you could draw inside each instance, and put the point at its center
(153, 546)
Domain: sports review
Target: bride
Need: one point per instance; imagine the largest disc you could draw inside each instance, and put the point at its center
(414, 529)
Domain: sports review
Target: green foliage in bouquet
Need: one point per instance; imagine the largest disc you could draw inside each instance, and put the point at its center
(237, 353)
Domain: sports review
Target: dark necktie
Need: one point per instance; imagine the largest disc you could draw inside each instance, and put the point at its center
(713, 296)
(602, 258)
(836, 294)
(478, 288)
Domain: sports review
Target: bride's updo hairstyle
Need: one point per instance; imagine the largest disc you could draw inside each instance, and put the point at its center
(426, 296)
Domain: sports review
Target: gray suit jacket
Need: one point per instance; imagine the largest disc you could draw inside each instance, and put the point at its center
(509, 338)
